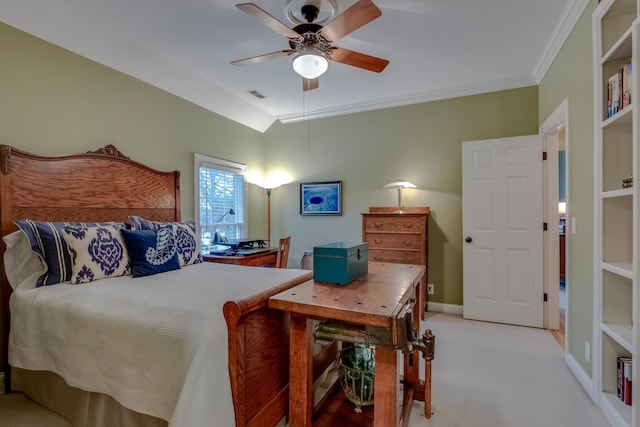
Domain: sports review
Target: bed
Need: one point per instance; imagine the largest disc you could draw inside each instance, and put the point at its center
(225, 360)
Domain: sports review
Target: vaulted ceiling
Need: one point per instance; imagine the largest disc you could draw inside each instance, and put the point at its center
(437, 49)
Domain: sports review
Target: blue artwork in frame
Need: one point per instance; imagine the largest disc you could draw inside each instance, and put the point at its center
(321, 198)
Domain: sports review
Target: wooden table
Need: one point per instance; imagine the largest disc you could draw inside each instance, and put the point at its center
(254, 260)
(376, 299)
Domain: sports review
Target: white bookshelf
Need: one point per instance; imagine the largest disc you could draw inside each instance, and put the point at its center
(616, 237)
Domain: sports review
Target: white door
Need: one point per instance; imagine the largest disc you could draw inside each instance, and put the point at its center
(502, 230)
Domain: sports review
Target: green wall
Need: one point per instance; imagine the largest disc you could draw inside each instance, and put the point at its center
(571, 77)
(418, 143)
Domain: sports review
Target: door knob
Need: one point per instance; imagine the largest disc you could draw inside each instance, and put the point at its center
(468, 239)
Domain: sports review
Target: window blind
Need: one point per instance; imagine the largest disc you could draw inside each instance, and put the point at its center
(220, 199)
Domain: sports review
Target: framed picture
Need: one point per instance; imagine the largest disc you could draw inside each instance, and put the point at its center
(321, 198)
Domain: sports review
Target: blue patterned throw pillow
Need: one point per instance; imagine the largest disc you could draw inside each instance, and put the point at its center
(97, 252)
(185, 233)
(151, 251)
(46, 240)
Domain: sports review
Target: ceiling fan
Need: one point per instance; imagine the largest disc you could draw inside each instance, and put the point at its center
(312, 42)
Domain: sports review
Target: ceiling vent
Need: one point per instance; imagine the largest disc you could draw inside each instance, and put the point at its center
(256, 94)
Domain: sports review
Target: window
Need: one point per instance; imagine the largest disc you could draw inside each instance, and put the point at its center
(220, 200)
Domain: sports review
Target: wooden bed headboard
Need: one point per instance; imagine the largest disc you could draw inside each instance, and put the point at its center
(102, 185)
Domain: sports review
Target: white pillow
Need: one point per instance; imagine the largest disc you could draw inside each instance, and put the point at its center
(97, 252)
(21, 264)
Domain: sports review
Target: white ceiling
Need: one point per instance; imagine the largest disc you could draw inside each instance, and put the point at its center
(437, 49)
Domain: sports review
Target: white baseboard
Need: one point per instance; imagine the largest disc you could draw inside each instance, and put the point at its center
(440, 307)
(585, 381)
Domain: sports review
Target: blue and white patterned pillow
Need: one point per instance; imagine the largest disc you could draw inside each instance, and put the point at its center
(97, 252)
(185, 233)
(151, 251)
(45, 239)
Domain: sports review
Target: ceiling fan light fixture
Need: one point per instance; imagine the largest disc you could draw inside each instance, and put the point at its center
(310, 65)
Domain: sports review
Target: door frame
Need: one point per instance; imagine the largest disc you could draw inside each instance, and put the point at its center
(552, 126)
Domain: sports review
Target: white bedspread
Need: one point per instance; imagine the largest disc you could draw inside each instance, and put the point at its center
(157, 344)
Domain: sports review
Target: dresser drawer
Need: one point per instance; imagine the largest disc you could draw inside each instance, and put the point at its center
(400, 223)
(399, 256)
(394, 240)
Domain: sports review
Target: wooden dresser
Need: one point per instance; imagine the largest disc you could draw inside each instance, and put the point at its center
(397, 237)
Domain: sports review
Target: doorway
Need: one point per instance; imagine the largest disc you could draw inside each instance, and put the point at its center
(562, 230)
(555, 134)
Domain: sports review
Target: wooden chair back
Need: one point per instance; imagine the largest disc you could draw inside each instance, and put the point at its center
(283, 252)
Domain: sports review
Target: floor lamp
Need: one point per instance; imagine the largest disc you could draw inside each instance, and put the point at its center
(268, 190)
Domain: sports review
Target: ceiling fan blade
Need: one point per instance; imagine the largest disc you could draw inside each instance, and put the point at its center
(262, 58)
(357, 59)
(361, 13)
(310, 84)
(268, 20)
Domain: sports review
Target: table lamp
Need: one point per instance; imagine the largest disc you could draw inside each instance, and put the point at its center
(399, 184)
(218, 237)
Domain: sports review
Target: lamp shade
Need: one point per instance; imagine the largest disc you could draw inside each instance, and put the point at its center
(400, 183)
(310, 65)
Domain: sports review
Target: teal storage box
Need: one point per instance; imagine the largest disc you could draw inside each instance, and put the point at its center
(340, 262)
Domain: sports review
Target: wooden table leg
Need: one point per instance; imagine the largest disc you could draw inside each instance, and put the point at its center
(411, 373)
(428, 339)
(300, 374)
(427, 389)
(386, 407)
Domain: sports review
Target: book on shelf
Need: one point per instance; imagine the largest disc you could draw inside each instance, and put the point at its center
(626, 85)
(613, 103)
(610, 85)
(619, 90)
(624, 383)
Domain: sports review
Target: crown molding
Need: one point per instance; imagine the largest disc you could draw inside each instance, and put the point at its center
(413, 98)
(572, 13)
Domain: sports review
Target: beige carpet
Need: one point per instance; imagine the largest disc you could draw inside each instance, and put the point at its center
(492, 375)
(16, 410)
